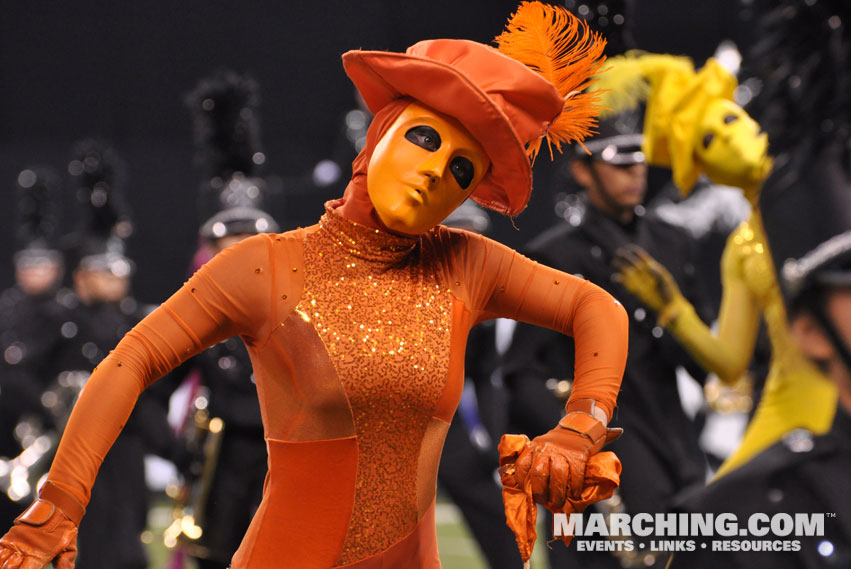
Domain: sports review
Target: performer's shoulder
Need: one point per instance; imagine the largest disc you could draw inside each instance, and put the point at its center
(297, 234)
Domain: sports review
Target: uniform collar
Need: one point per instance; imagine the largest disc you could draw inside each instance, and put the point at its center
(628, 227)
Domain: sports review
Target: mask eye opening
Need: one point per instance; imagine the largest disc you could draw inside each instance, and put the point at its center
(463, 171)
(424, 136)
(707, 140)
(730, 119)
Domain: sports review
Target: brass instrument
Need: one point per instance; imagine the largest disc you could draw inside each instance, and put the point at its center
(203, 435)
(22, 475)
(629, 559)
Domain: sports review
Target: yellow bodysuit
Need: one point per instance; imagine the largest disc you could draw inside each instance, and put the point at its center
(796, 394)
(694, 127)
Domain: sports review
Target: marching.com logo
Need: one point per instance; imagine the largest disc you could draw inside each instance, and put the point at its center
(618, 528)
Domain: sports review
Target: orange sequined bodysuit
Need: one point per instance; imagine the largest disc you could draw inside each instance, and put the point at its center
(357, 339)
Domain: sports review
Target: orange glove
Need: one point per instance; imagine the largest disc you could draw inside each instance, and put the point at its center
(45, 532)
(559, 470)
(555, 461)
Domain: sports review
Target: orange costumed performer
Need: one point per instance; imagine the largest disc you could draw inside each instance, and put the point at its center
(357, 326)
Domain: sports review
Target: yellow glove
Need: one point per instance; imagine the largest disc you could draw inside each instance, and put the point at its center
(727, 354)
(651, 283)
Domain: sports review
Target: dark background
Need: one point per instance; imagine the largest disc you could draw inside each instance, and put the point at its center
(119, 70)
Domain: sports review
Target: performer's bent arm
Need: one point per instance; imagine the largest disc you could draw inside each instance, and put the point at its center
(557, 469)
(728, 353)
(513, 286)
(215, 304)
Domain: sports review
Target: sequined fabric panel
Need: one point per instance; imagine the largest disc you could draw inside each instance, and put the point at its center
(384, 318)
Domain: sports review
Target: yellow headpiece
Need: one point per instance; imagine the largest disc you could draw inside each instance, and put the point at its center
(675, 109)
(689, 120)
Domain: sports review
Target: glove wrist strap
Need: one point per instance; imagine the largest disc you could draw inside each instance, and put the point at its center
(583, 418)
(63, 500)
(584, 424)
(588, 406)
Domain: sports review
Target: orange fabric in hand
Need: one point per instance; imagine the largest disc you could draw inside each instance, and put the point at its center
(556, 470)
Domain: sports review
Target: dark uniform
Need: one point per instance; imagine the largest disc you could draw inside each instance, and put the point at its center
(659, 449)
(225, 483)
(469, 460)
(236, 483)
(116, 516)
(30, 341)
(802, 474)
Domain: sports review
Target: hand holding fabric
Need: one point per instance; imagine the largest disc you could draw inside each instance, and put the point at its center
(562, 470)
(45, 532)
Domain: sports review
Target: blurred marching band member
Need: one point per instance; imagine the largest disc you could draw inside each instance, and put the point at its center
(224, 463)
(31, 317)
(103, 311)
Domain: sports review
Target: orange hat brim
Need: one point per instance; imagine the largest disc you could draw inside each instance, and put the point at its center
(382, 77)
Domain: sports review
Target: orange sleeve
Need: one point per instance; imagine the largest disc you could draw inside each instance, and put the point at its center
(228, 296)
(499, 282)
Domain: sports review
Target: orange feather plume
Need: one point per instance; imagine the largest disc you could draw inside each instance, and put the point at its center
(558, 45)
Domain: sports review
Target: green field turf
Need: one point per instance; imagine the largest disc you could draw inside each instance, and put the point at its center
(457, 548)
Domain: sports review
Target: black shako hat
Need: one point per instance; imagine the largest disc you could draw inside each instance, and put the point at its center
(806, 208)
(36, 194)
(226, 128)
(618, 139)
(98, 244)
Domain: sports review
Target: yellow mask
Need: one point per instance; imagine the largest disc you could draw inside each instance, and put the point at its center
(730, 147)
(424, 166)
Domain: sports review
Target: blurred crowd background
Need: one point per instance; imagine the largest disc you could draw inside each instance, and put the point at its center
(120, 72)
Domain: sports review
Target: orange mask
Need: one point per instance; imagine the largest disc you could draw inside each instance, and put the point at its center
(730, 146)
(424, 166)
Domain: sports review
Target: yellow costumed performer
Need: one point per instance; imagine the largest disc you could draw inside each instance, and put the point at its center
(693, 126)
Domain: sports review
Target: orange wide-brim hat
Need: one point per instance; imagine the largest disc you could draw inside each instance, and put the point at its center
(504, 104)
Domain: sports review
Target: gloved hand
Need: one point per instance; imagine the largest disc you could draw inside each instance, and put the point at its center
(647, 280)
(555, 462)
(560, 469)
(45, 532)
